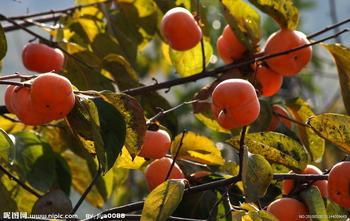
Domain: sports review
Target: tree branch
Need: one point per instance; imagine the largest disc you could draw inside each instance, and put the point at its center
(176, 154)
(23, 185)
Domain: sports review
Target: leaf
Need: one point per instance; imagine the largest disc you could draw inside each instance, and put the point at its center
(112, 128)
(264, 118)
(163, 201)
(125, 160)
(63, 174)
(189, 62)
(341, 55)
(84, 69)
(313, 143)
(197, 148)
(12, 127)
(133, 116)
(81, 178)
(35, 160)
(165, 6)
(7, 147)
(283, 11)
(244, 21)
(335, 210)
(315, 204)
(276, 148)
(257, 178)
(333, 127)
(3, 43)
(7, 203)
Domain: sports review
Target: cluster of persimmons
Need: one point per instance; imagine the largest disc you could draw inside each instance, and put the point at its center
(235, 102)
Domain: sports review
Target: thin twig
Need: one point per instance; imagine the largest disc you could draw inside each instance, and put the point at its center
(87, 191)
(202, 40)
(176, 154)
(241, 150)
(290, 119)
(23, 185)
(334, 17)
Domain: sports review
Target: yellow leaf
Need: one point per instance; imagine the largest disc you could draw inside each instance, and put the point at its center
(197, 148)
(125, 161)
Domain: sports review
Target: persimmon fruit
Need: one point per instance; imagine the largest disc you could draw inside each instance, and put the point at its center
(180, 29)
(322, 185)
(235, 103)
(8, 98)
(229, 47)
(276, 120)
(41, 58)
(52, 95)
(24, 109)
(288, 209)
(292, 63)
(269, 80)
(156, 144)
(339, 184)
(157, 171)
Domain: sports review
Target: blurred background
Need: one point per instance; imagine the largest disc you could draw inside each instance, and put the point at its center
(318, 84)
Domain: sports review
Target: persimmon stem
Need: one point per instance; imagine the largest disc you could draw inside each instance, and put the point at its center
(19, 182)
(176, 154)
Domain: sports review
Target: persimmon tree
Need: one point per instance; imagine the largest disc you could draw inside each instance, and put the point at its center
(82, 120)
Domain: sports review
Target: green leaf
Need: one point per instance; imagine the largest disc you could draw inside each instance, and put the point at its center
(84, 70)
(163, 201)
(244, 21)
(7, 203)
(190, 62)
(333, 127)
(133, 116)
(315, 204)
(7, 147)
(341, 55)
(335, 210)
(3, 43)
(197, 148)
(276, 148)
(112, 128)
(283, 11)
(63, 174)
(313, 143)
(257, 178)
(35, 160)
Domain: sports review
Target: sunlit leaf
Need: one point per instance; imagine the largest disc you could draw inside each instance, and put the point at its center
(283, 11)
(7, 147)
(334, 128)
(125, 160)
(335, 210)
(341, 55)
(257, 178)
(314, 143)
(197, 148)
(244, 21)
(314, 202)
(276, 148)
(190, 62)
(163, 200)
(134, 118)
(3, 43)
(12, 126)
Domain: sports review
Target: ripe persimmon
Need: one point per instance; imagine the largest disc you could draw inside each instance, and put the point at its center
(8, 98)
(276, 120)
(235, 103)
(42, 58)
(269, 80)
(292, 63)
(288, 209)
(155, 144)
(339, 184)
(52, 95)
(228, 46)
(157, 171)
(180, 29)
(322, 185)
(24, 109)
